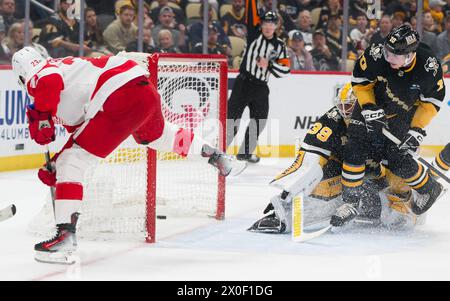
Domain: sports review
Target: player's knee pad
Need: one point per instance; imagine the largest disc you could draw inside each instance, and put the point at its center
(72, 164)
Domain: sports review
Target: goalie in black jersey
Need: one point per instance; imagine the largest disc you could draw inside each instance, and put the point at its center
(316, 172)
(399, 87)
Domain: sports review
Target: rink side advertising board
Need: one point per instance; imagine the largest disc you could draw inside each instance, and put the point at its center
(296, 102)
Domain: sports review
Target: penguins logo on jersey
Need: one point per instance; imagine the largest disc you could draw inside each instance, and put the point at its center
(432, 64)
(375, 52)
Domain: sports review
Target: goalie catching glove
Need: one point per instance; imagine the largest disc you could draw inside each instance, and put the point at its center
(41, 125)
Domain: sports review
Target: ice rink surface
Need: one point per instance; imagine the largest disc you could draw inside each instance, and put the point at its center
(205, 249)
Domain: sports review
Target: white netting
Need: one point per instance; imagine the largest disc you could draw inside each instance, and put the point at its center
(115, 197)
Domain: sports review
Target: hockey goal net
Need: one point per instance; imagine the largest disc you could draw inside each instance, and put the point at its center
(126, 192)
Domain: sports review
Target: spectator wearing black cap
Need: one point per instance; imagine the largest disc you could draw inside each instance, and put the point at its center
(213, 46)
(300, 58)
(265, 54)
(180, 17)
(323, 58)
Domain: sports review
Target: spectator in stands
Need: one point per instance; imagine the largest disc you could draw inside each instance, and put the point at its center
(398, 6)
(357, 7)
(180, 16)
(196, 30)
(16, 40)
(427, 37)
(429, 24)
(166, 42)
(167, 21)
(213, 46)
(436, 7)
(148, 21)
(288, 23)
(309, 4)
(384, 29)
(101, 7)
(148, 46)
(122, 31)
(93, 36)
(7, 10)
(361, 35)
(304, 25)
(334, 38)
(300, 58)
(4, 59)
(60, 33)
(397, 19)
(332, 8)
(322, 56)
(443, 41)
(38, 47)
(290, 7)
(233, 22)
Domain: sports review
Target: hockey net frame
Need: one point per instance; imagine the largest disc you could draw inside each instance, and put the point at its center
(104, 215)
(153, 64)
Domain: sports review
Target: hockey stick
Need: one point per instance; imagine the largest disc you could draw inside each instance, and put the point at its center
(7, 212)
(298, 235)
(48, 165)
(397, 141)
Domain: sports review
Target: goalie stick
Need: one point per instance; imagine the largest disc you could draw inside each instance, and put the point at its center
(298, 234)
(416, 156)
(7, 212)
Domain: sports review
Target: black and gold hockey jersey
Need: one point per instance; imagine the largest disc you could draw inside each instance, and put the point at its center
(327, 138)
(399, 91)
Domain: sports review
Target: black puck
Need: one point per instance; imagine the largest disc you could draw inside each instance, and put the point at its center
(161, 217)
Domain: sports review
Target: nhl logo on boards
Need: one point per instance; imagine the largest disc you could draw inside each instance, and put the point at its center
(432, 64)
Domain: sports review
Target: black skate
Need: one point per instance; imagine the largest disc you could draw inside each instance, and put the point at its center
(249, 158)
(343, 215)
(424, 201)
(224, 163)
(268, 224)
(60, 248)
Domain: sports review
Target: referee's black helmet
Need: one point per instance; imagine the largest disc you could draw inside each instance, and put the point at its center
(270, 16)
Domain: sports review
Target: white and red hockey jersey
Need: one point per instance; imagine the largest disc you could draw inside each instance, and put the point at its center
(75, 89)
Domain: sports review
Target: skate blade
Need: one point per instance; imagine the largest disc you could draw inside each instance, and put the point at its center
(65, 258)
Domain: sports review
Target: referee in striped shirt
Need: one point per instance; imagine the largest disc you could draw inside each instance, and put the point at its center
(265, 54)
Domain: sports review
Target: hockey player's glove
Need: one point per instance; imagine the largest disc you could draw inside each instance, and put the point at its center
(41, 125)
(375, 119)
(46, 176)
(412, 140)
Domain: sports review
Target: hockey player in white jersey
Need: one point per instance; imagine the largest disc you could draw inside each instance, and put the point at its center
(316, 173)
(100, 101)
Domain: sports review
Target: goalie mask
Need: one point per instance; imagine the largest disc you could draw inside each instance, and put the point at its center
(345, 100)
(26, 63)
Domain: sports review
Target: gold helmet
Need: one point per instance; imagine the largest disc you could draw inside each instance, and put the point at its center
(345, 100)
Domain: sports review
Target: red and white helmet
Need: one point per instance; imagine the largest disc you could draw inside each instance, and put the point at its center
(26, 63)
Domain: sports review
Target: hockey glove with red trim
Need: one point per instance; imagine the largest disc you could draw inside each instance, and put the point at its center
(41, 125)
